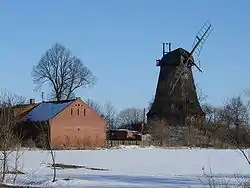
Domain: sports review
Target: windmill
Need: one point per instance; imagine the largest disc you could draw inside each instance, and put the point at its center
(176, 97)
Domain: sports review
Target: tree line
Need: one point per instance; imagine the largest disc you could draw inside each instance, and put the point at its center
(123, 119)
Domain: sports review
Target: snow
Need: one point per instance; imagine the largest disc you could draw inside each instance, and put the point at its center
(46, 110)
(134, 167)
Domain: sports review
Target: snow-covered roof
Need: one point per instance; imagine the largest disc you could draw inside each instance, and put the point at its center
(46, 110)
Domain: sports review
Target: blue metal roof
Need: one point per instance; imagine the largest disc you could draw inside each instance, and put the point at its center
(46, 111)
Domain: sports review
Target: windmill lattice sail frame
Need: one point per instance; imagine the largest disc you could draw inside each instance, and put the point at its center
(199, 41)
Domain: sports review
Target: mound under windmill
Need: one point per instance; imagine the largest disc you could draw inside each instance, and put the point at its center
(176, 98)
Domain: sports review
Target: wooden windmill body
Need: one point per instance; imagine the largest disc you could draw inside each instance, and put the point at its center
(176, 98)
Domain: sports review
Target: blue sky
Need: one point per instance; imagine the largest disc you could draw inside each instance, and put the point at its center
(120, 40)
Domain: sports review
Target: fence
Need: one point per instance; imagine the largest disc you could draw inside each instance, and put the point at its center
(113, 143)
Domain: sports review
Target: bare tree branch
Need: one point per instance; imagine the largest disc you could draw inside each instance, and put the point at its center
(44, 141)
(95, 106)
(107, 112)
(110, 115)
(150, 103)
(200, 94)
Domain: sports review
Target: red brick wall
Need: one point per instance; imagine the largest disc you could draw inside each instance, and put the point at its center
(82, 128)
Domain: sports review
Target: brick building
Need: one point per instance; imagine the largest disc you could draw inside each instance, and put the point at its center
(70, 123)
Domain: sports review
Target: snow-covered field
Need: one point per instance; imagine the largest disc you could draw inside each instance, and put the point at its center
(134, 167)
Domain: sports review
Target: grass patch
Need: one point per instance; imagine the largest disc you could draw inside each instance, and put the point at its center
(15, 172)
(97, 169)
(67, 179)
(66, 166)
(69, 166)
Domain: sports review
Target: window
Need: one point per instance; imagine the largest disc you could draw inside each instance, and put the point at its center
(71, 111)
(78, 111)
(84, 112)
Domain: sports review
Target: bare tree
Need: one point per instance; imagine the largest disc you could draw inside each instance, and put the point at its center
(110, 115)
(200, 94)
(11, 100)
(213, 114)
(235, 113)
(236, 116)
(95, 106)
(10, 140)
(150, 103)
(18, 154)
(7, 139)
(63, 71)
(107, 111)
(44, 141)
(130, 116)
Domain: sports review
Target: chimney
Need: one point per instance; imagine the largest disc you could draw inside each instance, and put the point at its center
(32, 101)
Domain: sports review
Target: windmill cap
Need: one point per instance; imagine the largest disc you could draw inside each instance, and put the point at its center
(173, 58)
